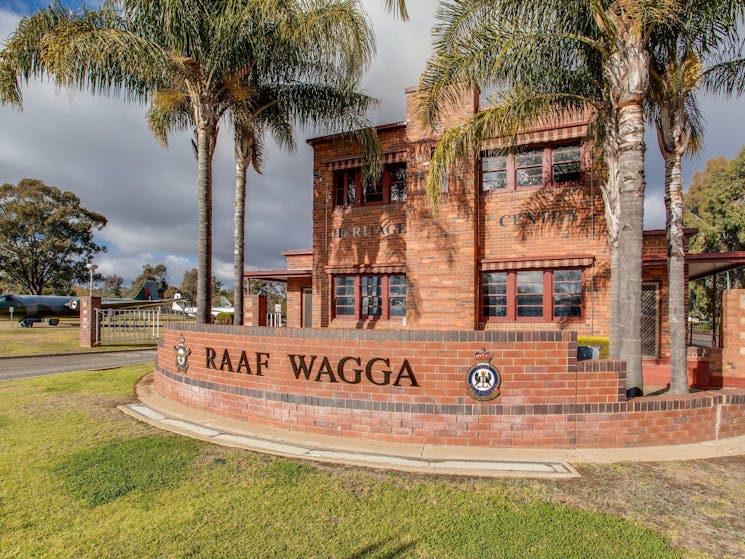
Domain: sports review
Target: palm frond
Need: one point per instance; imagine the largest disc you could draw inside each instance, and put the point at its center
(501, 125)
(476, 45)
(397, 8)
(726, 78)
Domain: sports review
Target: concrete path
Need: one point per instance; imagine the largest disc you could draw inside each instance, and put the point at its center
(488, 462)
(41, 365)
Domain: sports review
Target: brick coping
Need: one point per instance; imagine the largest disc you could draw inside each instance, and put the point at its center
(488, 336)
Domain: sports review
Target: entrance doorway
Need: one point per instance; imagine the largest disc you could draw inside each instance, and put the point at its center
(307, 310)
(650, 321)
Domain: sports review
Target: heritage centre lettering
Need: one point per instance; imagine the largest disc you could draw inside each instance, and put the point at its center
(552, 217)
(368, 231)
(350, 370)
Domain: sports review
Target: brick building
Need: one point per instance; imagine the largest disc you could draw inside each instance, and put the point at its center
(458, 326)
(518, 241)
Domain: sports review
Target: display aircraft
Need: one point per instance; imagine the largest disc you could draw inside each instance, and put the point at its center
(34, 308)
(179, 305)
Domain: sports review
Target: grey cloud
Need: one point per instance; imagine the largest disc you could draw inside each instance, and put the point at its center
(102, 150)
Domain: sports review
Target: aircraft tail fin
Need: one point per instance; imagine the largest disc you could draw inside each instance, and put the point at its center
(148, 292)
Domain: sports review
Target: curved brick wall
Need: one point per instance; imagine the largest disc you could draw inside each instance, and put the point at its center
(411, 387)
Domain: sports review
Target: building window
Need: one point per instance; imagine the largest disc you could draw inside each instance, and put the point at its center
(398, 182)
(344, 295)
(529, 299)
(363, 297)
(494, 294)
(345, 187)
(566, 164)
(372, 296)
(532, 295)
(567, 294)
(349, 189)
(530, 169)
(493, 171)
(397, 295)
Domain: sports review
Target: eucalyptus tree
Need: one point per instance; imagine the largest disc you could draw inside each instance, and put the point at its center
(46, 237)
(546, 57)
(194, 60)
(678, 54)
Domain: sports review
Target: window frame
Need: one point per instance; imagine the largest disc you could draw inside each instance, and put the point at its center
(547, 165)
(385, 297)
(548, 295)
(359, 196)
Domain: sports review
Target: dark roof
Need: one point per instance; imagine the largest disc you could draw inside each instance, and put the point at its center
(332, 137)
(278, 275)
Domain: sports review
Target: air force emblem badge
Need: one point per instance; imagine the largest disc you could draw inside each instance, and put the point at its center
(182, 355)
(483, 380)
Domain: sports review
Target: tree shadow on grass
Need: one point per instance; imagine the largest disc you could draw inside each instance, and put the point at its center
(115, 469)
(378, 550)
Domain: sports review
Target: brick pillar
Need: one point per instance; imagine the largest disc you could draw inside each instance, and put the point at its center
(441, 245)
(88, 326)
(254, 310)
(733, 338)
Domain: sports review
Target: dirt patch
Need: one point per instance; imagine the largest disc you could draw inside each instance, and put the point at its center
(697, 504)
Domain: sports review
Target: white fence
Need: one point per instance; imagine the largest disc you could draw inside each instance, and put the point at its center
(274, 319)
(127, 325)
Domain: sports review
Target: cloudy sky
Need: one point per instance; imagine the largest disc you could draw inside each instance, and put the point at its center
(102, 150)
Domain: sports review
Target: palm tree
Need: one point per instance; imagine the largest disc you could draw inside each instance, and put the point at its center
(677, 68)
(547, 57)
(191, 58)
(676, 117)
(275, 110)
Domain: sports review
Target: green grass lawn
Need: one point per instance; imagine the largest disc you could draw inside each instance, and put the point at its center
(81, 479)
(43, 339)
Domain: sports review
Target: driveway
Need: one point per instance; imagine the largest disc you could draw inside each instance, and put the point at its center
(36, 366)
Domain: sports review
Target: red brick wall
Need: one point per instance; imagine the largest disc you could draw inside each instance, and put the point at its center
(733, 339)
(295, 300)
(547, 399)
(299, 259)
(331, 252)
(441, 245)
(565, 222)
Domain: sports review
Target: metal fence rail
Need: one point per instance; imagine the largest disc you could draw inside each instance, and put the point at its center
(127, 325)
(701, 334)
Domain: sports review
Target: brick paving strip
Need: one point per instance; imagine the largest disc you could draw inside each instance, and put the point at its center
(360, 457)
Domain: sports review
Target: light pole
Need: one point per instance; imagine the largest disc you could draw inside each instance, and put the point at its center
(91, 267)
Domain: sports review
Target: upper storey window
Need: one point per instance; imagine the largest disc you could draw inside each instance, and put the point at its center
(530, 169)
(566, 164)
(349, 189)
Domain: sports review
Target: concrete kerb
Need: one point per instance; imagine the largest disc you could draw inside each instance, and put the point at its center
(465, 461)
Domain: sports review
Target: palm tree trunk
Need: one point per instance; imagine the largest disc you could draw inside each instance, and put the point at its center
(206, 132)
(676, 274)
(612, 217)
(239, 236)
(627, 71)
(630, 237)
